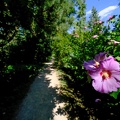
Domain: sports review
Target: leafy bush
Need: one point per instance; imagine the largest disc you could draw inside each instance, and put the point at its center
(71, 52)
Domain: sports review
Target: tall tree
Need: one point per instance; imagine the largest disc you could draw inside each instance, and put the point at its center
(94, 21)
(79, 24)
(94, 17)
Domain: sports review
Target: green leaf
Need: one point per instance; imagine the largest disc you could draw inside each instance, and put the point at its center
(115, 94)
(118, 58)
(10, 67)
(116, 53)
(88, 78)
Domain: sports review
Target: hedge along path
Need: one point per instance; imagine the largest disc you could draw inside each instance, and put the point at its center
(43, 101)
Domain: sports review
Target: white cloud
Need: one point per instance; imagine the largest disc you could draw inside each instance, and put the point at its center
(105, 12)
(88, 12)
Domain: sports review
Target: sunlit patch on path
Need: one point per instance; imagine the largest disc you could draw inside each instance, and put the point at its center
(43, 101)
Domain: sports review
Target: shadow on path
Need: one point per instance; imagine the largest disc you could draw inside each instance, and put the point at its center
(43, 99)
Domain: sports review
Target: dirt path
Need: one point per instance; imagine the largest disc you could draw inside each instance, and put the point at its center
(43, 101)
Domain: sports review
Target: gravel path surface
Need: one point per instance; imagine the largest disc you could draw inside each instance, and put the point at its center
(43, 101)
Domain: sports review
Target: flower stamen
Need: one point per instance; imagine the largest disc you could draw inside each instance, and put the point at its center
(105, 74)
(96, 64)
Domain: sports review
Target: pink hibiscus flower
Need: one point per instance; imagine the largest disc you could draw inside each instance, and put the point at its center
(107, 78)
(114, 42)
(95, 36)
(111, 17)
(100, 22)
(94, 65)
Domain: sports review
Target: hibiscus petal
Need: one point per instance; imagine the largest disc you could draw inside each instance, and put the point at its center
(97, 83)
(110, 64)
(89, 65)
(101, 56)
(110, 85)
(105, 87)
(95, 75)
(114, 82)
(97, 86)
(106, 62)
(116, 75)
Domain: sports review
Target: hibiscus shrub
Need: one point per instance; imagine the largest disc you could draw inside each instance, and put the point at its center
(94, 82)
(108, 41)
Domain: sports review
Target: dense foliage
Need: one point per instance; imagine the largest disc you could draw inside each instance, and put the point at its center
(27, 28)
(33, 30)
(72, 50)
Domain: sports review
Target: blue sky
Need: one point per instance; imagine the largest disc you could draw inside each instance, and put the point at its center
(105, 8)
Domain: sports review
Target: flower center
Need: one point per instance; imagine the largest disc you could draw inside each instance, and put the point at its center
(105, 74)
(97, 64)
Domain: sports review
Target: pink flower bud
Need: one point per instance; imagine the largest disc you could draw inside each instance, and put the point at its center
(95, 36)
(114, 42)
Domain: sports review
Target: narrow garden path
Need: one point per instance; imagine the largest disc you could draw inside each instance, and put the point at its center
(43, 101)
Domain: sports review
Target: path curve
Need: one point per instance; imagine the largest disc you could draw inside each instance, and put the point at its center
(43, 101)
